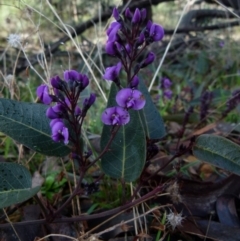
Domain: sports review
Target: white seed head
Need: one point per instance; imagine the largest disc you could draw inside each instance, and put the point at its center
(14, 40)
(174, 219)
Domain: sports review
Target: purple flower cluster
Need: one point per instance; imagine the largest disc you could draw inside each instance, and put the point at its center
(127, 41)
(66, 109)
(165, 87)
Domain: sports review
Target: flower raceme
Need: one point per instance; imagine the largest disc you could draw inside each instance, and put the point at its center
(66, 110)
(127, 41)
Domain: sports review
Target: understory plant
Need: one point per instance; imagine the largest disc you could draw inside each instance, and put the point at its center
(132, 125)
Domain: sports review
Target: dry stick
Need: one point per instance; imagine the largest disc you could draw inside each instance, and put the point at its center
(130, 220)
(85, 217)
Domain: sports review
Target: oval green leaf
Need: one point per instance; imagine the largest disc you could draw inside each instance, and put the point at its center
(27, 123)
(125, 158)
(151, 118)
(15, 184)
(218, 151)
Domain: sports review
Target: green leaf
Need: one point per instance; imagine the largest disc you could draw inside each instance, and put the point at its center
(202, 63)
(125, 158)
(15, 184)
(218, 151)
(152, 120)
(27, 123)
(8, 198)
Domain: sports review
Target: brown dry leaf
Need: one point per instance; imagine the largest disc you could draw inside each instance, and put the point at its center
(144, 235)
(125, 227)
(206, 170)
(190, 158)
(174, 128)
(204, 129)
(160, 227)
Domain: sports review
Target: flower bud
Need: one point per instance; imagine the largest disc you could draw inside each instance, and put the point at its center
(57, 83)
(149, 59)
(43, 94)
(128, 14)
(136, 17)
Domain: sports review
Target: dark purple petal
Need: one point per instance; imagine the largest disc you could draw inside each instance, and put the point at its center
(51, 114)
(57, 83)
(77, 111)
(149, 59)
(71, 75)
(130, 99)
(65, 135)
(116, 14)
(167, 93)
(140, 39)
(134, 82)
(156, 32)
(147, 29)
(112, 72)
(56, 126)
(84, 81)
(43, 94)
(136, 16)
(112, 31)
(128, 14)
(55, 112)
(165, 83)
(54, 121)
(111, 48)
(143, 14)
(128, 47)
(88, 102)
(60, 132)
(115, 116)
(139, 100)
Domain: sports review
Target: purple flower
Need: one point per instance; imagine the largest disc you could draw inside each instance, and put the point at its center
(112, 72)
(115, 116)
(55, 112)
(167, 93)
(57, 83)
(130, 99)
(112, 31)
(156, 32)
(74, 79)
(43, 94)
(153, 32)
(88, 102)
(59, 131)
(136, 16)
(71, 75)
(149, 59)
(165, 83)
